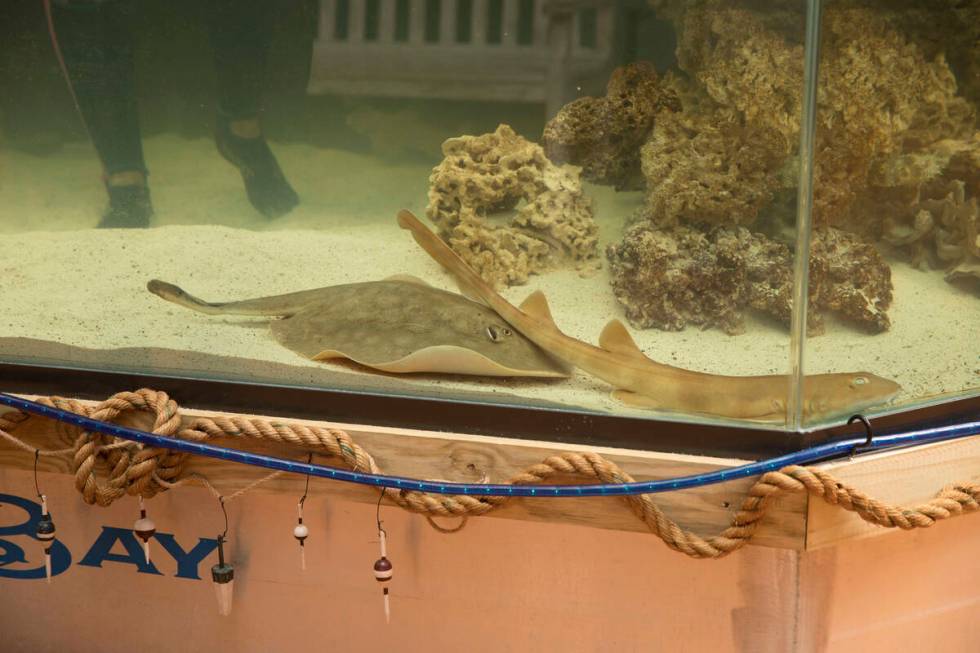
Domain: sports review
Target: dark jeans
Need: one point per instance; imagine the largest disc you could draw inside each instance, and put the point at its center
(97, 45)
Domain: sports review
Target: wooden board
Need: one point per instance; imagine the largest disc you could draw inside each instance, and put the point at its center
(906, 477)
(468, 458)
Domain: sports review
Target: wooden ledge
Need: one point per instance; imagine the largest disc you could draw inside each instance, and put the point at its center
(796, 522)
(904, 477)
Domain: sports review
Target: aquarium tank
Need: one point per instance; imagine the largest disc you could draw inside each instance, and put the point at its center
(737, 212)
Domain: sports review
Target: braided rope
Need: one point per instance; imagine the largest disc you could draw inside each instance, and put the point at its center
(137, 469)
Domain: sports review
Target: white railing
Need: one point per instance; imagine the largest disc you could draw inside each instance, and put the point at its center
(518, 50)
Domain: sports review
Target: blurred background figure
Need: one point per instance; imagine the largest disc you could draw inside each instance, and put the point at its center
(95, 41)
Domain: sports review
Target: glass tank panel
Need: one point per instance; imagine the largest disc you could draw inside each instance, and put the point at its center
(895, 257)
(569, 163)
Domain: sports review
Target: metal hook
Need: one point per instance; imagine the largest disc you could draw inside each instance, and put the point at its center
(221, 502)
(37, 454)
(869, 432)
(306, 491)
(378, 511)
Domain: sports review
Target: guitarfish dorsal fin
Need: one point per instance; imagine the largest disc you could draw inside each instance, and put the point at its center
(615, 337)
(536, 305)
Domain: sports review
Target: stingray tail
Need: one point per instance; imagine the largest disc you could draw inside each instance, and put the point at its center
(178, 296)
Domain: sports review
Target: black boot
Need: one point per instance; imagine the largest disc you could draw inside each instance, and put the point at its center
(267, 188)
(129, 207)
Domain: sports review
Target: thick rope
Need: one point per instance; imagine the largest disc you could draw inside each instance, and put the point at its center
(137, 469)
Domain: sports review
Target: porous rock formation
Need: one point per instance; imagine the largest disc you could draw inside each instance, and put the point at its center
(883, 97)
(944, 231)
(895, 128)
(709, 166)
(949, 27)
(547, 219)
(707, 276)
(677, 276)
(849, 277)
(884, 91)
(603, 135)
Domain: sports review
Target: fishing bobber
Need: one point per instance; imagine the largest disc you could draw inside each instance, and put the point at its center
(223, 578)
(383, 573)
(45, 534)
(144, 528)
(301, 532)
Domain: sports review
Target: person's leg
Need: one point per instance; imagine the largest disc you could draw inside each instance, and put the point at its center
(241, 31)
(97, 48)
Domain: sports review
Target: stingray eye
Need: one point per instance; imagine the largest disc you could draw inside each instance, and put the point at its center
(497, 333)
(858, 381)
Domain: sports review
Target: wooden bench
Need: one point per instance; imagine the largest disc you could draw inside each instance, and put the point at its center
(540, 51)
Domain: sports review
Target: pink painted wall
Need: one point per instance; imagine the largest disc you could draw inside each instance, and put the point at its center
(496, 586)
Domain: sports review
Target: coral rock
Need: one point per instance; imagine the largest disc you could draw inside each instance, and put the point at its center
(951, 27)
(964, 165)
(769, 281)
(604, 135)
(672, 277)
(492, 174)
(848, 276)
(748, 60)
(710, 167)
(676, 276)
(881, 95)
(945, 232)
(886, 90)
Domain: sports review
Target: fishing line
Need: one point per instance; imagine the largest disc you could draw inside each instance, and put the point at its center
(56, 46)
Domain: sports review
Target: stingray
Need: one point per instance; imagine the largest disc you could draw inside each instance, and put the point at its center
(399, 325)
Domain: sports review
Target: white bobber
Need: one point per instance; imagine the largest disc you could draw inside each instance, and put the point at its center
(144, 528)
(45, 533)
(301, 532)
(383, 572)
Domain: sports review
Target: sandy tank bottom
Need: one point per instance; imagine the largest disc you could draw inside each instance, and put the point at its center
(67, 285)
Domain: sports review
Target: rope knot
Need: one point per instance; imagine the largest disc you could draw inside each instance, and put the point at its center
(130, 468)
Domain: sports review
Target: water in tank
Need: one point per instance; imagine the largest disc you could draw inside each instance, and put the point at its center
(581, 205)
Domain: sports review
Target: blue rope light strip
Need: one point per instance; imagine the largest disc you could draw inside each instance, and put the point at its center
(820, 452)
